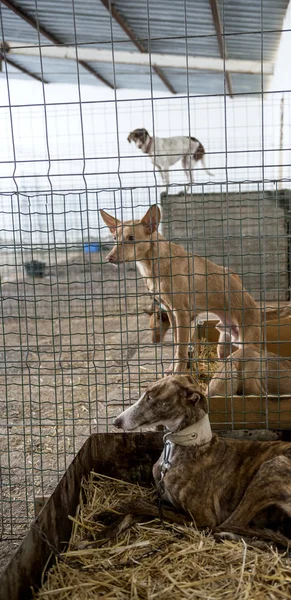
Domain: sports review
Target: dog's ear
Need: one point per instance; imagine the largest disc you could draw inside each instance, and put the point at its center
(110, 221)
(144, 135)
(192, 389)
(151, 219)
(129, 139)
(196, 396)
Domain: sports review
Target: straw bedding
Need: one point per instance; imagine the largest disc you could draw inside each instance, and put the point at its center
(157, 559)
(207, 364)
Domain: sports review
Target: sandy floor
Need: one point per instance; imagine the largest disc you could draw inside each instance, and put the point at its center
(65, 371)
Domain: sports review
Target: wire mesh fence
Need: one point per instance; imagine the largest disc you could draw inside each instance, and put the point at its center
(76, 339)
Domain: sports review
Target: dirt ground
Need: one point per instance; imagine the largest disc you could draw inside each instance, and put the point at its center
(75, 349)
(73, 352)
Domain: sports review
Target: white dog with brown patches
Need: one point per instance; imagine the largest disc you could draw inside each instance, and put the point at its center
(165, 152)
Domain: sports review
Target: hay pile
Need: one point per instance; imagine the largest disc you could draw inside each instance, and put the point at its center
(207, 364)
(158, 560)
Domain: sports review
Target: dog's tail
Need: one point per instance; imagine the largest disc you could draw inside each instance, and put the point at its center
(205, 168)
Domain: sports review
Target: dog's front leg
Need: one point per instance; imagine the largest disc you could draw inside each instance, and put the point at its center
(183, 322)
(225, 382)
(166, 178)
(172, 320)
(164, 175)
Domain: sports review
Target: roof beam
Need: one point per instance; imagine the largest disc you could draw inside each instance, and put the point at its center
(131, 35)
(176, 61)
(12, 63)
(49, 36)
(221, 44)
(25, 17)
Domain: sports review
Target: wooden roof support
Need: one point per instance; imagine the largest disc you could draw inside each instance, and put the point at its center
(131, 35)
(219, 34)
(12, 63)
(49, 36)
(176, 61)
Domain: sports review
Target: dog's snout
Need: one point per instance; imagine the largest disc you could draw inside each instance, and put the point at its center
(111, 257)
(118, 422)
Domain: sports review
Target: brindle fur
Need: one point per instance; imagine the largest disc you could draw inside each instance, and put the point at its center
(187, 285)
(225, 483)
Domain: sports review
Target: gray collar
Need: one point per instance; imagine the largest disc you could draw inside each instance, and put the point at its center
(197, 434)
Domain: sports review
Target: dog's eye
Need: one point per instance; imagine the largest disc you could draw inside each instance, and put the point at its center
(131, 238)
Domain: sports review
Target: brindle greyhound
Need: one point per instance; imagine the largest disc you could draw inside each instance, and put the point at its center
(223, 483)
(186, 285)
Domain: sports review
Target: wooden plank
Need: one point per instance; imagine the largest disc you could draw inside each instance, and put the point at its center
(123, 57)
(229, 231)
(126, 456)
(278, 334)
(250, 412)
(116, 15)
(221, 41)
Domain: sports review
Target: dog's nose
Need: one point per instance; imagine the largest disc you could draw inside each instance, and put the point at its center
(118, 422)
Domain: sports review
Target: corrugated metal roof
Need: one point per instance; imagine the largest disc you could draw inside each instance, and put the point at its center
(243, 22)
(174, 27)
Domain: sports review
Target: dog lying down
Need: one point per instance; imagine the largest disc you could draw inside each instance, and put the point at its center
(225, 484)
(250, 372)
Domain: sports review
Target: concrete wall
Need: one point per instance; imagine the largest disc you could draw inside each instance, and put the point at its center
(247, 232)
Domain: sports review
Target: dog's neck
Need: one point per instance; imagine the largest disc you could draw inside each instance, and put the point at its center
(147, 145)
(196, 434)
(156, 260)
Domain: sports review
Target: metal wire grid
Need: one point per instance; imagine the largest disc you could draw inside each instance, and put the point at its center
(243, 139)
(76, 345)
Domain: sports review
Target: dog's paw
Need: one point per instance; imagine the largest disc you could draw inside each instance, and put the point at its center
(168, 371)
(220, 536)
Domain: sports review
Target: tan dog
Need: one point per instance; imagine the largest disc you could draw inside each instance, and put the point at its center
(248, 372)
(186, 285)
(160, 323)
(221, 482)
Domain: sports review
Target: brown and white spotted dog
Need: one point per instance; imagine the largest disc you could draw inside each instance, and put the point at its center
(221, 482)
(165, 152)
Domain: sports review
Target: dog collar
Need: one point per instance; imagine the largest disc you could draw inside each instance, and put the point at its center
(197, 434)
(148, 147)
(160, 305)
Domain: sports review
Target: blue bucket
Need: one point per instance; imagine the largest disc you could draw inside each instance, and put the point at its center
(91, 247)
